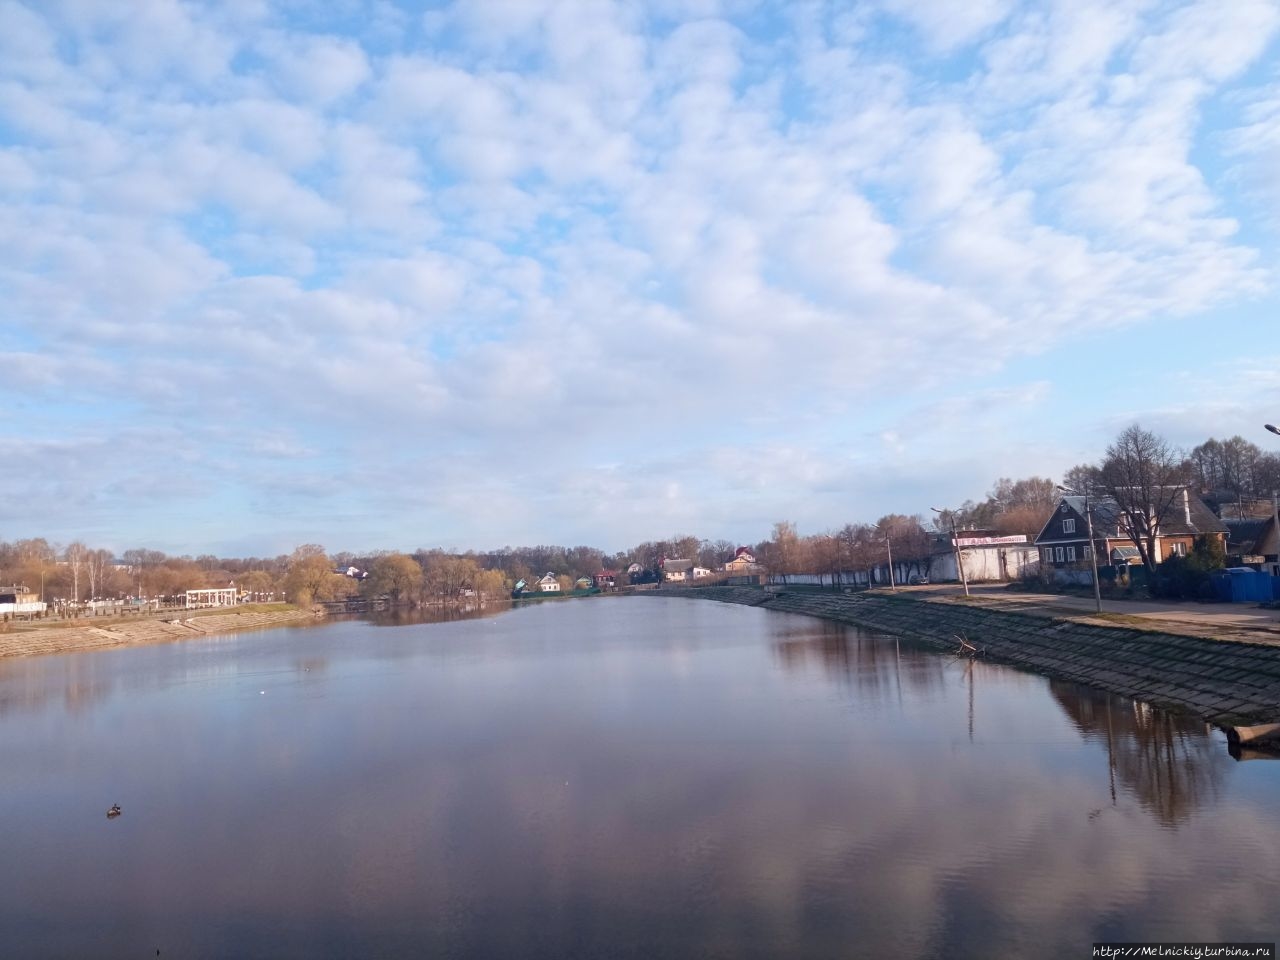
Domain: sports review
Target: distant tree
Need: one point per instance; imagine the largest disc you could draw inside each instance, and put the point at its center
(76, 554)
(583, 561)
(176, 575)
(310, 576)
(825, 555)
(912, 543)
(445, 575)
(715, 554)
(784, 553)
(97, 562)
(256, 583)
(491, 583)
(683, 547)
(1029, 492)
(1082, 478)
(394, 575)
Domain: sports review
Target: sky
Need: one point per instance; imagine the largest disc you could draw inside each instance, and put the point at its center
(468, 274)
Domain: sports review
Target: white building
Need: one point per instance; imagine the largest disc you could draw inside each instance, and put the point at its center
(986, 558)
(19, 601)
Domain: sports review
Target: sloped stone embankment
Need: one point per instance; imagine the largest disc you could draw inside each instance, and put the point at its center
(1227, 682)
(23, 642)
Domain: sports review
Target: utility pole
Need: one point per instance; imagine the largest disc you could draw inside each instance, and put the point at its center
(955, 546)
(1275, 528)
(1093, 553)
(888, 547)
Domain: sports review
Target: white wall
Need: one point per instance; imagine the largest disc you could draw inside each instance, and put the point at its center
(32, 607)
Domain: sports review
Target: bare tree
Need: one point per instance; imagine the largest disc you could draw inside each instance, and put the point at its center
(1145, 476)
(96, 563)
(76, 554)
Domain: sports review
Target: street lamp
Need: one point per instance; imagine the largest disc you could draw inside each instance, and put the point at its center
(1093, 549)
(892, 586)
(955, 546)
(1275, 498)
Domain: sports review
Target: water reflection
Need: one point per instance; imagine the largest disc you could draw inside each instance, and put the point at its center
(1170, 763)
(876, 667)
(626, 777)
(442, 613)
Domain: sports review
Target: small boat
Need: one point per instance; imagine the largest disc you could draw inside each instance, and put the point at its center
(114, 812)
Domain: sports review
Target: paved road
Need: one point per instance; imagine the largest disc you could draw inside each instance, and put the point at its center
(1227, 620)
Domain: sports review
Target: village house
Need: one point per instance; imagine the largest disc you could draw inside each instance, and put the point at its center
(677, 570)
(549, 584)
(743, 562)
(1064, 541)
(1253, 543)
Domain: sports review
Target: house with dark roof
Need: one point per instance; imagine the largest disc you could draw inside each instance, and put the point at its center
(677, 570)
(1254, 543)
(1064, 540)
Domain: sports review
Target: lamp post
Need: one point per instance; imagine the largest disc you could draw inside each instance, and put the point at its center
(888, 547)
(1093, 551)
(1275, 503)
(955, 546)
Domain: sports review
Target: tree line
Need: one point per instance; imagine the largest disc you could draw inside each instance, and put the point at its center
(1139, 470)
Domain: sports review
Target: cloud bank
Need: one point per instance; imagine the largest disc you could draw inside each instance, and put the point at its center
(592, 272)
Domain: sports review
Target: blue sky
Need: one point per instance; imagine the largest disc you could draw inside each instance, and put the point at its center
(389, 275)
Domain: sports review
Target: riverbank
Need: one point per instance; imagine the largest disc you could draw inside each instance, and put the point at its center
(25, 640)
(1229, 682)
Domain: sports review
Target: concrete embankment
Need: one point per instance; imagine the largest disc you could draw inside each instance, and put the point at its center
(1227, 682)
(66, 638)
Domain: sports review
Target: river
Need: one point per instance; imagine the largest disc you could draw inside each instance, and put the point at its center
(613, 777)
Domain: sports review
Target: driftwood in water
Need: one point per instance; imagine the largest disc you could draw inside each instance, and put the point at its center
(967, 649)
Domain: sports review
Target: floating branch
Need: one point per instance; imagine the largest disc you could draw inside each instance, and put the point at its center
(966, 648)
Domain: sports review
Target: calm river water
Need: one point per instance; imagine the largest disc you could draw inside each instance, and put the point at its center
(619, 777)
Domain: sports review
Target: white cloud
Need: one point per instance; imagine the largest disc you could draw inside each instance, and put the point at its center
(1254, 149)
(317, 69)
(666, 238)
(948, 25)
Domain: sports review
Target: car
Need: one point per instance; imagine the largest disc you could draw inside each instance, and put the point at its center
(918, 579)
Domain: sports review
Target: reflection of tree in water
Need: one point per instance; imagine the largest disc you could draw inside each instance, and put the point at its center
(875, 666)
(442, 613)
(32, 685)
(1167, 761)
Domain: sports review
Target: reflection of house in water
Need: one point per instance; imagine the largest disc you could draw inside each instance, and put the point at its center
(1169, 762)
